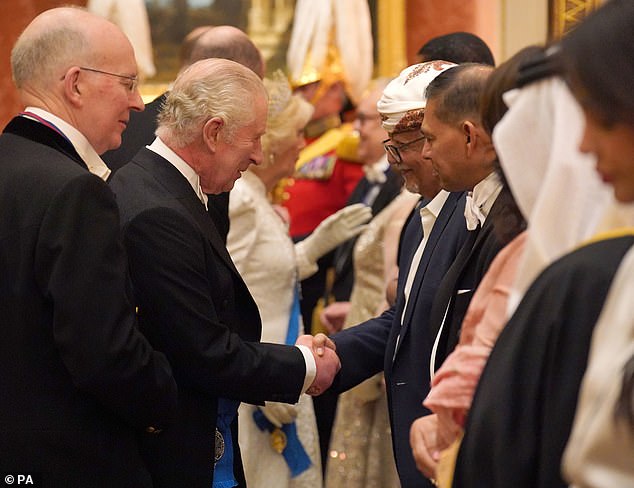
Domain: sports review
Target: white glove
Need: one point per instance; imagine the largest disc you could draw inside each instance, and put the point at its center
(279, 413)
(332, 231)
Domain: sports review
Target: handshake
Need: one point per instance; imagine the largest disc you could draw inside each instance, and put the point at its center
(326, 359)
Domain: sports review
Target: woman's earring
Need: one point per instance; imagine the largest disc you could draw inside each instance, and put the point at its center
(271, 158)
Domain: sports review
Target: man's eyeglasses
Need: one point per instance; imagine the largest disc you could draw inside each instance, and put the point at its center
(131, 81)
(395, 150)
(363, 118)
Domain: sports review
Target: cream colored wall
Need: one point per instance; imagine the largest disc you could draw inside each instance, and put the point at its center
(522, 22)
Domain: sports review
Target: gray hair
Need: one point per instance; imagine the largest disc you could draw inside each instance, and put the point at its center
(457, 91)
(286, 113)
(40, 58)
(209, 88)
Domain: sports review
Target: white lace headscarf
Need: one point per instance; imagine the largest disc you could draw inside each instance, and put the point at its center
(403, 102)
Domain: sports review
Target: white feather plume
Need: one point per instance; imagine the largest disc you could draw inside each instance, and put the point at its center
(312, 26)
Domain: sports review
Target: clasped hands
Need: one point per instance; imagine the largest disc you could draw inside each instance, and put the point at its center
(326, 359)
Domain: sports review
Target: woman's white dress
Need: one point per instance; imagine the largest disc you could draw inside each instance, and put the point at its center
(264, 254)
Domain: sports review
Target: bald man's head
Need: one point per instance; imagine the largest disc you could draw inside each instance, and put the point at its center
(189, 42)
(228, 42)
(81, 68)
(58, 38)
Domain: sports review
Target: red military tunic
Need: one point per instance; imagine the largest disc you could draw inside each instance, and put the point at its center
(323, 180)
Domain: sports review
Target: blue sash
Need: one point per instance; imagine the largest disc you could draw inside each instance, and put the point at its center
(223, 468)
(293, 322)
(294, 453)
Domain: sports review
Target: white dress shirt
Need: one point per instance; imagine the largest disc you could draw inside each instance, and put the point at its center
(428, 216)
(160, 148)
(86, 152)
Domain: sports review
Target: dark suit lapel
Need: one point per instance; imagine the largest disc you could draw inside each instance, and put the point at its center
(410, 240)
(434, 238)
(359, 191)
(471, 248)
(501, 202)
(178, 186)
(447, 288)
(36, 132)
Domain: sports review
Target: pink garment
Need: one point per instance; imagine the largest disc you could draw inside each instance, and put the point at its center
(455, 382)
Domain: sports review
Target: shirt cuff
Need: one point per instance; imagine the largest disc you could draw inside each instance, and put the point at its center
(311, 367)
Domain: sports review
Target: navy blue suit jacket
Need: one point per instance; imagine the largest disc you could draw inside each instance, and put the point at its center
(371, 346)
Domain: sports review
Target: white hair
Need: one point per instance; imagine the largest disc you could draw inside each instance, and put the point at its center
(209, 88)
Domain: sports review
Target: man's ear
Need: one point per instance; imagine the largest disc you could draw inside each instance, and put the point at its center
(72, 86)
(477, 139)
(211, 132)
(470, 135)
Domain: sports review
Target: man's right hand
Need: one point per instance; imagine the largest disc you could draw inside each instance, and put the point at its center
(326, 360)
(317, 344)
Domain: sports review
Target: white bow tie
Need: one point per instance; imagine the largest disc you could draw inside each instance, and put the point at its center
(473, 213)
(374, 175)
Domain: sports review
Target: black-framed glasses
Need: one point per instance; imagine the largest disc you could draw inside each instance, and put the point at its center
(132, 81)
(395, 150)
(363, 118)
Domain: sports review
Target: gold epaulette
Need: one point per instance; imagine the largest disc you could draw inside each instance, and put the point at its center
(609, 234)
(344, 140)
(327, 142)
(317, 160)
(348, 147)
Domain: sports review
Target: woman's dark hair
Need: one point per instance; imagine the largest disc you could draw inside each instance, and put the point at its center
(625, 404)
(510, 221)
(503, 79)
(598, 58)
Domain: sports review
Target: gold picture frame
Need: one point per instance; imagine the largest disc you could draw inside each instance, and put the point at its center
(566, 14)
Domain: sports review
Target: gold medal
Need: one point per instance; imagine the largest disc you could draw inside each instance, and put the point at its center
(219, 446)
(278, 440)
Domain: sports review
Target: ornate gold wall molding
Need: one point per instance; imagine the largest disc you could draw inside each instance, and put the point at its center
(565, 14)
(268, 20)
(391, 41)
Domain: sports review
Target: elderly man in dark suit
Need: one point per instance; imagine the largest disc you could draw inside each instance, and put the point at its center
(399, 342)
(192, 303)
(79, 382)
(223, 41)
